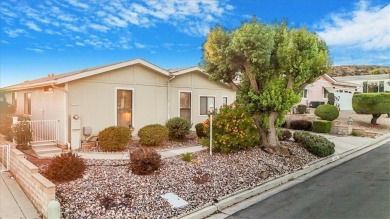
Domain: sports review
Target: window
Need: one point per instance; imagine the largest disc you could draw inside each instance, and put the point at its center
(224, 101)
(48, 89)
(124, 104)
(27, 103)
(325, 93)
(185, 105)
(14, 99)
(205, 103)
(381, 86)
(304, 93)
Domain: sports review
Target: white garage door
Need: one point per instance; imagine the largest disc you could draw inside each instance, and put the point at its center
(344, 99)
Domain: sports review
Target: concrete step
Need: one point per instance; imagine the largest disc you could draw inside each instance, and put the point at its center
(49, 155)
(47, 150)
(43, 144)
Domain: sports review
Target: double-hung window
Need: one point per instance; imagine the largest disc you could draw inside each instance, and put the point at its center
(205, 103)
(27, 103)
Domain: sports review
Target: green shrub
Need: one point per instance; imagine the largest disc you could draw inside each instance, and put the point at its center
(284, 135)
(186, 157)
(322, 126)
(152, 135)
(315, 144)
(327, 112)
(178, 128)
(301, 125)
(200, 130)
(22, 133)
(65, 167)
(301, 108)
(233, 130)
(331, 98)
(371, 103)
(114, 138)
(144, 161)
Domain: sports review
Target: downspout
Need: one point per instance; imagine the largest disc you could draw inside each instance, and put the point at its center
(169, 96)
(66, 100)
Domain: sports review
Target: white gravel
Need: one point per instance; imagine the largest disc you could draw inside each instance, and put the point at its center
(109, 190)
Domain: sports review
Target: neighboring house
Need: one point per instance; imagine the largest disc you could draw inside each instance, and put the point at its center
(317, 93)
(368, 83)
(133, 93)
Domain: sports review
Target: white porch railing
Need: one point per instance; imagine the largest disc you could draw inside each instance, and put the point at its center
(4, 157)
(45, 130)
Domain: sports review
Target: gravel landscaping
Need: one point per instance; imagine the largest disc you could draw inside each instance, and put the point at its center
(109, 190)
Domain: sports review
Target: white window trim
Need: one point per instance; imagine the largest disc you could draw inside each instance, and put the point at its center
(307, 94)
(227, 100)
(205, 95)
(323, 93)
(178, 102)
(116, 105)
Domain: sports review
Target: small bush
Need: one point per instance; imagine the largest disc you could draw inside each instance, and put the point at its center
(22, 133)
(178, 128)
(152, 135)
(315, 144)
(186, 157)
(233, 130)
(65, 167)
(327, 112)
(5, 126)
(200, 130)
(372, 103)
(114, 138)
(284, 135)
(144, 161)
(322, 126)
(301, 125)
(301, 108)
(6, 108)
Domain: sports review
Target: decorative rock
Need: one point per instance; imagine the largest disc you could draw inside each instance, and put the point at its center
(264, 174)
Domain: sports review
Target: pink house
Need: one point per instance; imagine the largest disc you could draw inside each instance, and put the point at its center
(317, 93)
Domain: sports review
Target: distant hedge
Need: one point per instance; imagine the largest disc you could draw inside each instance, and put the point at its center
(371, 103)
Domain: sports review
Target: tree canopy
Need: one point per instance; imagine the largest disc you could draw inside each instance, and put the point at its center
(275, 63)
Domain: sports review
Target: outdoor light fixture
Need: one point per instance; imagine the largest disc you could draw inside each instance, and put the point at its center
(211, 110)
(349, 122)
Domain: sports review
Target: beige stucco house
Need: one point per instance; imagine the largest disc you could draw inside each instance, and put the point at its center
(133, 93)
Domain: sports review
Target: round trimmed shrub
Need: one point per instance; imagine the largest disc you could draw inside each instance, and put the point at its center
(178, 127)
(371, 103)
(200, 130)
(114, 138)
(152, 135)
(233, 130)
(144, 161)
(327, 112)
(301, 125)
(301, 108)
(322, 126)
(315, 144)
(65, 167)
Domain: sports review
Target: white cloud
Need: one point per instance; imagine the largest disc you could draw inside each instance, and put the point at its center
(33, 26)
(99, 27)
(4, 42)
(80, 44)
(139, 45)
(78, 4)
(15, 33)
(40, 51)
(365, 27)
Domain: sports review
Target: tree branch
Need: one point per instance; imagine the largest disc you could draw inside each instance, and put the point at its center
(251, 78)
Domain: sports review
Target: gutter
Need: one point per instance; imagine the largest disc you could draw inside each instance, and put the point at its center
(169, 95)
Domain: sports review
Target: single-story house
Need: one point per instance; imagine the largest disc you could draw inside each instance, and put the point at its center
(132, 93)
(368, 83)
(317, 93)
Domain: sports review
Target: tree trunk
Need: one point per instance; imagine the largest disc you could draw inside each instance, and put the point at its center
(374, 118)
(272, 135)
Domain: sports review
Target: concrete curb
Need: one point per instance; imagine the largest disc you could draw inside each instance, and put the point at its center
(243, 199)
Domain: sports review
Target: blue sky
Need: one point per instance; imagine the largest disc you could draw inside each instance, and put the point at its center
(57, 36)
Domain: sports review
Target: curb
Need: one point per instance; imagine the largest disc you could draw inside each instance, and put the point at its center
(224, 207)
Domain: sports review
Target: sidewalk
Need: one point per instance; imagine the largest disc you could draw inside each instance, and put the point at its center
(13, 202)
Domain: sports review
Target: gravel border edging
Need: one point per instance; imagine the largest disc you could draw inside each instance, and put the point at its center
(285, 181)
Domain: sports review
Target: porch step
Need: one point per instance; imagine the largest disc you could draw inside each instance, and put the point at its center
(48, 147)
(49, 155)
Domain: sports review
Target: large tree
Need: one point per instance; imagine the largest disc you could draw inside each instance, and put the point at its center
(275, 64)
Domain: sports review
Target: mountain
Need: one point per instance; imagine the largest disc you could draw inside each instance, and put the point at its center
(349, 70)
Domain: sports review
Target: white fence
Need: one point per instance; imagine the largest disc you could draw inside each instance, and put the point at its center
(45, 130)
(4, 157)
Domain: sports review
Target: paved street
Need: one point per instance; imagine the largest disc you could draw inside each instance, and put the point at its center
(359, 188)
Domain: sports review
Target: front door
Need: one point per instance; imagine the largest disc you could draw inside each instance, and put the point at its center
(124, 108)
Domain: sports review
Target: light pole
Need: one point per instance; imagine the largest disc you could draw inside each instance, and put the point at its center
(211, 110)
